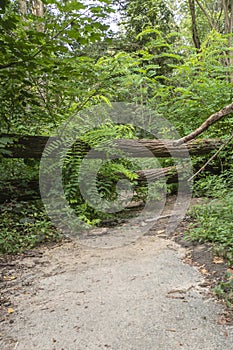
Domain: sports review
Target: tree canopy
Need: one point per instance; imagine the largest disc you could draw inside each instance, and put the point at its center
(59, 56)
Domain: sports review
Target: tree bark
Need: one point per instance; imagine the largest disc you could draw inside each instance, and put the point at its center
(167, 148)
(228, 13)
(151, 175)
(23, 6)
(196, 39)
(38, 8)
(33, 147)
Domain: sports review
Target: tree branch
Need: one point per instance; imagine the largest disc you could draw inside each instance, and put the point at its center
(211, 120)
(211, 22)
(212, 158)
(39, 49)
(10, 64)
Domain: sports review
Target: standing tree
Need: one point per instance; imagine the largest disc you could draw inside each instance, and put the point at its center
(195, 35)
(218, 16)
(36, 7)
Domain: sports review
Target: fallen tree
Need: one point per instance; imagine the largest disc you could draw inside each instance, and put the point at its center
(25, 190)
(33, 147)
(29, 190)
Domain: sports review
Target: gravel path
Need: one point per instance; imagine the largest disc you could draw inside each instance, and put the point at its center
(138, 297)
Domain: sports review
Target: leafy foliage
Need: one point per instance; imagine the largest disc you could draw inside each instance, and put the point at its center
(43, 65)
(110, 171)
(215, 225)
(188, 93)
(23, 226)
(224, 290)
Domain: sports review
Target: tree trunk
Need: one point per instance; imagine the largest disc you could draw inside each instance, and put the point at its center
(33, 147)
(151, 175)
(29, 190)
(38, 8)
(23, 6)
(35, 7)
(228, 12)
(213, 24)
(167, 148)
(196, 39)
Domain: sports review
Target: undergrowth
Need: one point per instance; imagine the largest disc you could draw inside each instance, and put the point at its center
(24, 225)
(224, 289)
(213, 222)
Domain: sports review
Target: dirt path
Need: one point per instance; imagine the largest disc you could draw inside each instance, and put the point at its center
(140, 296)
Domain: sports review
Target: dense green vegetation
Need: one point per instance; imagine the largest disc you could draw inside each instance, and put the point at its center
(62, 57)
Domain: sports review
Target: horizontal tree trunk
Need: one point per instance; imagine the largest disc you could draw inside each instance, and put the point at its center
(28, 190)
(33, 147)
(165, 148)
(151, 175)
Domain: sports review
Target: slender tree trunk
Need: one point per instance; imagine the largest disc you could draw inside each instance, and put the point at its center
(196, 38)
(38, 8)
(23, 6)
(228, 14)
(213, 24)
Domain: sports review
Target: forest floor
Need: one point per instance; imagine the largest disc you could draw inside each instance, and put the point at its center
(154, 293)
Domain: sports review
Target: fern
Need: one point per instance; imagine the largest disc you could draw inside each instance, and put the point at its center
(110, 169)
